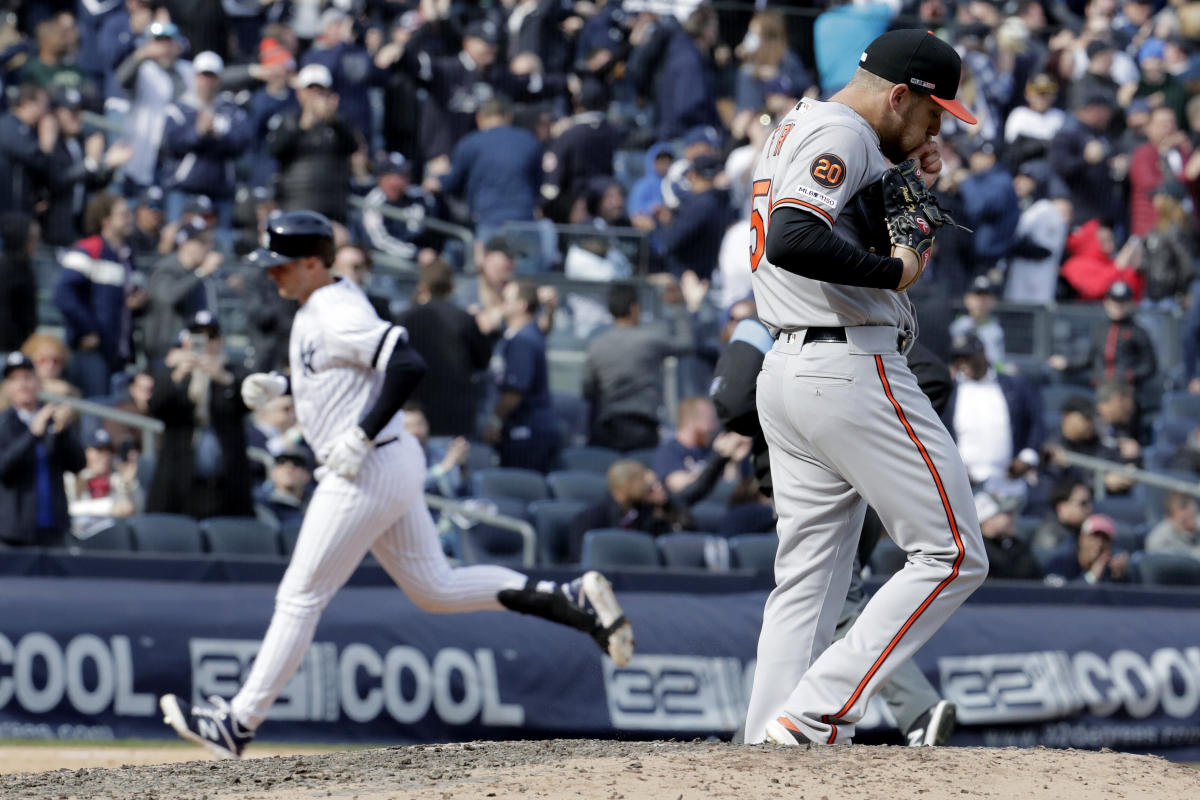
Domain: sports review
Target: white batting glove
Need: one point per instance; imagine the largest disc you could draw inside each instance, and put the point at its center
(347, 453)
(261, 388)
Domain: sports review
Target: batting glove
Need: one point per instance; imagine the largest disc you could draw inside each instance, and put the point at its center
(261, 388)
(347, 453)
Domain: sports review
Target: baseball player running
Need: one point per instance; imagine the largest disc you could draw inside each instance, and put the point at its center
(350, 375)
(844, 419)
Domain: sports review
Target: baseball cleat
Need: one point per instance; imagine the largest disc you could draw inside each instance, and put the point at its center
(933, 728)
(612, 631)
(782, 730)
(211, 726)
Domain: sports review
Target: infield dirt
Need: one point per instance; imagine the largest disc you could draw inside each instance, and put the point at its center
(619, 771)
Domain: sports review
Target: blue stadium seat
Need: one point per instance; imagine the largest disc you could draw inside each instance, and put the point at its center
(114, 538)
(508, 506)
(645, 456)
(240, 536)
(1166, 569)
(693, 550)
(487, 544)
(1131, 539)
(709, 514)
(754, 551)
(1181, 405)
(572, 413)
(166, 533)
(588, 459)
(523, 484)
(887, 558)
(1055, 394)
(612, 547)
(482, 456)
(1126, 509)
(552, 519)
(578, 485)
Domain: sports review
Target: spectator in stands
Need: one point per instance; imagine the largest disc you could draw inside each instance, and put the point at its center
(98, 293)
(1097, 81)
(996, 420)
(206, 132)
(1081, 153)
(497, 170)
(1122, 349)
(1187, 457)
(405, 238)
(1156, 83)
(148, 220)
(1009, 558)
(18, 286)
(273, 427)
(1070, 503)
(103, 489)
(447, 464)
(1179, 531)
(80, 166)
(53, 66)
(694, 459)
(750, 510)
(1167, 263)
(454, 348)
(1090, 558)
(28, 135)
(179, 288)
(197, 396)
(1029, 129)
(285, 494)
(1154, 165)
(1036, 253)
(582, 149)
(37, 446)
(675, 63)
(270, 104)
(154, 76)
(623, 374)
(313, 149)
(646, 195)
(990, 205)
(353, 262)
(690, 238)
(522, 425)
(50, 358)
(350, 65)
(496, 268)
(1091, 269)
(119, 35)
(765, 57)
(980, 301)
(1077, 434)
(636, 501)
(136, 401)
(1117, 423)
(702, 140)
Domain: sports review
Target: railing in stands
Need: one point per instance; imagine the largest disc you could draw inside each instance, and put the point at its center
(149, 426)
(1101, 466)
(526, 531)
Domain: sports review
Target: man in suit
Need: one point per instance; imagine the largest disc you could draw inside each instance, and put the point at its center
(450, 341)
(37, 445)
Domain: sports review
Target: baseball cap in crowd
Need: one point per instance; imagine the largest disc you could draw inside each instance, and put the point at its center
(1138, 105)
(965, 345)
(272, 53)
(982, 285)
(198, 204)
(1079, 404)
(1042, 84)
(314, 75)
(100, 440)
(192, 229)
(16, 360)
(162, 30)
(1119, 291)
(393, 164)
(67, 98)
(500, 244)
(706, 166)
(1151, 48)
(204, 322)
(208, 62)
(706, 134)
(483, 29)
(1098, 46)
(295, 454)
(1101, 524)
(331, 16)
(922, 62)
(152, 198)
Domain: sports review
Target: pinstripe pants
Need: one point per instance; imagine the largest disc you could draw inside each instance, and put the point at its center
(847, 425)
(383, 510)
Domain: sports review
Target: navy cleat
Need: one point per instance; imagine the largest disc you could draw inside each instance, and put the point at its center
(212, 725)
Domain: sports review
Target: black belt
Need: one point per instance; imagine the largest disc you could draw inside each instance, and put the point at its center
(386, 442)
(816, 335)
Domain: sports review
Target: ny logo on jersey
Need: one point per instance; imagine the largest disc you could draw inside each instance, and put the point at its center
(307, 353)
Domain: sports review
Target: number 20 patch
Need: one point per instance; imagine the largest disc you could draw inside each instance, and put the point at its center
(828, 170)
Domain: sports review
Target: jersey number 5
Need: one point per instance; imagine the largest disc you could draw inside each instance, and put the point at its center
(757, 224)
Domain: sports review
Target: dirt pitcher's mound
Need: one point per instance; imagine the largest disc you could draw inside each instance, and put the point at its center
(633, 771)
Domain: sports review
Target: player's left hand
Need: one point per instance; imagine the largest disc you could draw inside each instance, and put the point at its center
(930, 159)
(347, 453)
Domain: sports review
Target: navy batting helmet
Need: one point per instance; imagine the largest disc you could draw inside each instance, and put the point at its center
(292, 235)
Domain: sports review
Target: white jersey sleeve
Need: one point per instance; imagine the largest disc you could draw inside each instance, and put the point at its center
(354, 333)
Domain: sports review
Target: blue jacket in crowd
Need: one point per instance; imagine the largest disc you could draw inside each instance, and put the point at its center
(116, 43)
(647, 190)
(992, 211)
(1025, 420)
(498, 172)
(91, 296)
(693, 237)
(205, 164)
(684, 92)
(267, 112)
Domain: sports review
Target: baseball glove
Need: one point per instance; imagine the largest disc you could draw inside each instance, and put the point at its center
(912, 213)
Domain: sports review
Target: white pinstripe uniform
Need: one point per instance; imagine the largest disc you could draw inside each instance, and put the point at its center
(338, 351)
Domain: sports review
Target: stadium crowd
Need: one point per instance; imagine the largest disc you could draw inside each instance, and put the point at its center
(145, 144)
